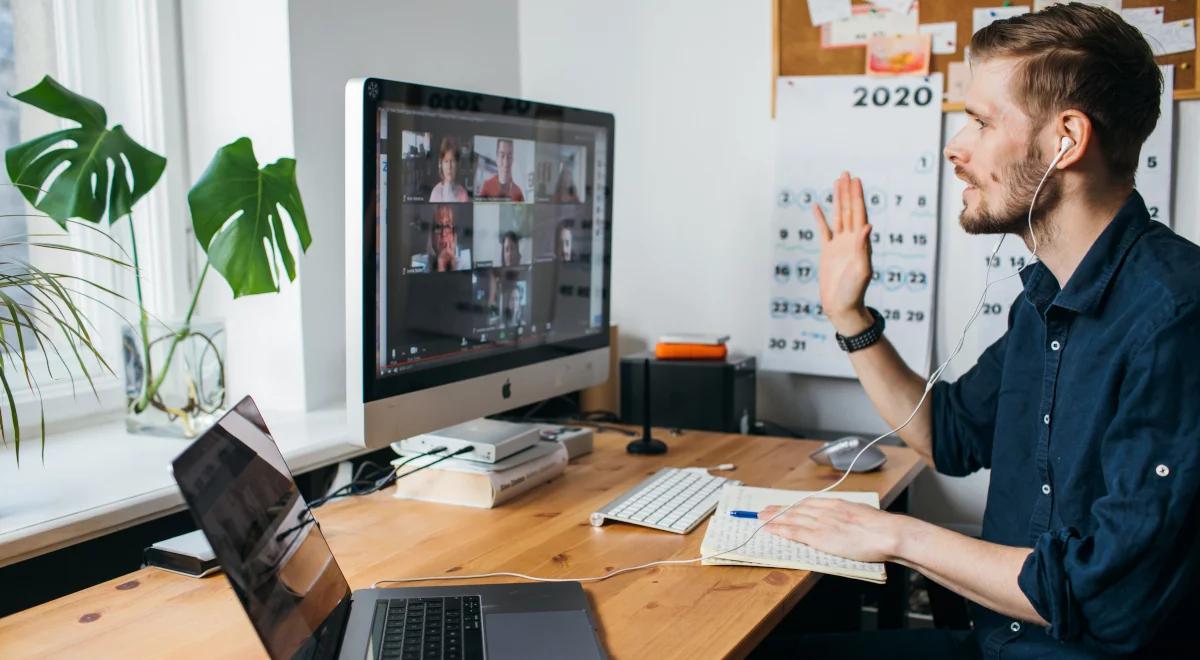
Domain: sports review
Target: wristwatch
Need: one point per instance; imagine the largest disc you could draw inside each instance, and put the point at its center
(864, 338)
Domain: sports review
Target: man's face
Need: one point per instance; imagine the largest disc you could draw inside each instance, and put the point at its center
(565, 237)
(996, 155)
(504, 160)
(443, 230)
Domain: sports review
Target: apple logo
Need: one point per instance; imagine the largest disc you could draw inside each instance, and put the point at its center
(506, 390)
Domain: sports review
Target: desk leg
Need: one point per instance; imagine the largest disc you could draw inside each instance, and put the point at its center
(893, 599)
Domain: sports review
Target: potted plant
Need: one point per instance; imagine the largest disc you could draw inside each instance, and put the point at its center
(239, 213)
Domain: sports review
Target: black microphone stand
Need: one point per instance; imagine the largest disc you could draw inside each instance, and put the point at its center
(646, 445)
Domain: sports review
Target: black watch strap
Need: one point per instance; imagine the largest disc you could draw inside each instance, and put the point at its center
(864, 338)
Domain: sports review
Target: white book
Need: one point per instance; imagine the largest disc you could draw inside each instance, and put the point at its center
(466, 483)
(727, 535)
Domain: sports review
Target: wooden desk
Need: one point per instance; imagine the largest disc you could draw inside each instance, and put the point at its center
(687, 611)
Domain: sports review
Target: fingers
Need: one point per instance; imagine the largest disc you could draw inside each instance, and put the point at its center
(858, 211)
(822, 226)
(789, 532)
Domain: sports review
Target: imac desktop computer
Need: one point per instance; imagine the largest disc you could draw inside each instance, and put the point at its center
(478, 235)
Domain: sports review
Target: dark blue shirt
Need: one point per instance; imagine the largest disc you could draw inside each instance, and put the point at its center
(1087, 411)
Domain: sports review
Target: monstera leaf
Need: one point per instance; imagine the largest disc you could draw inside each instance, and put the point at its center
(236, 216)
(85, 188)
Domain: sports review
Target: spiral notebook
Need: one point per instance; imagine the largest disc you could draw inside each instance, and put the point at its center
(764, 549)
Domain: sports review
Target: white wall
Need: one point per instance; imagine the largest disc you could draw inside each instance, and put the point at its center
(275, 71)
(237, 83)
(689, 83)
(458, 44)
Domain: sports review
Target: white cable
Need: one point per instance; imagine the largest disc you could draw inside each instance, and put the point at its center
(934, 377)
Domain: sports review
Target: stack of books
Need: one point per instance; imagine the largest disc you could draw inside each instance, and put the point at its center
(691, 347)
(481, 485)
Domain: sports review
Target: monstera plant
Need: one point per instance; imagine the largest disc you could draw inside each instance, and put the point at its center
(239, 214)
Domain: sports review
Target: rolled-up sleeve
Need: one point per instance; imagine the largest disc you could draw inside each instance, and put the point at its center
(964, 414)
(1113, 584)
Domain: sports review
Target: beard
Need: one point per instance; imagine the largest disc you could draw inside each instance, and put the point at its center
(1011, 215)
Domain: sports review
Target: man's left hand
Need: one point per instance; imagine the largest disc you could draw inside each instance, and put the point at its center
(846, 529)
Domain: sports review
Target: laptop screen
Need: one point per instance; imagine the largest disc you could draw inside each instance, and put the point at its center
(242, 495)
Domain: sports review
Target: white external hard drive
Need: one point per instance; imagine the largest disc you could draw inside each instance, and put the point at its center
(489, 439)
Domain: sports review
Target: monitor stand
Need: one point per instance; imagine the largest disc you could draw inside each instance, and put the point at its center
(646, 445)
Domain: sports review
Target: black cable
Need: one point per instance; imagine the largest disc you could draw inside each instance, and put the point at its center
(392, 479)
(600, 416)
(360, 485)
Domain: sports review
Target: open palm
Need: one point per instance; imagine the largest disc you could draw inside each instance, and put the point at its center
(844, 270)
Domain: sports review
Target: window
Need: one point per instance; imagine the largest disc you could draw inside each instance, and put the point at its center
(121, 55)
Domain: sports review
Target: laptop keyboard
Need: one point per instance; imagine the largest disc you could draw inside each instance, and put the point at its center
(433, 629)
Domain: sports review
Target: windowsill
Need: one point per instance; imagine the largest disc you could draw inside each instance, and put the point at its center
(100, 479)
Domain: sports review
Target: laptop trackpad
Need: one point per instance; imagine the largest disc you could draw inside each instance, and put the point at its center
(540, 635)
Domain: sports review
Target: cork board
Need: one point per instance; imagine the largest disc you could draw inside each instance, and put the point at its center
(798, 49)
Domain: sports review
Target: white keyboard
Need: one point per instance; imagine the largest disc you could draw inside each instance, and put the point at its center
(672, 499)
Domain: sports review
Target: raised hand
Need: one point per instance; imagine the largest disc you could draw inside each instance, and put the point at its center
(844, 270)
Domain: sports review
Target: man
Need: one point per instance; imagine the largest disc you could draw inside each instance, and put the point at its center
(442, 253)
(566, 242)
(1086, 409)
(501, 185)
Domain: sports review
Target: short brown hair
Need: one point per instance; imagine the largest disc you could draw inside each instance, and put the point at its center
(1086, 58)
(449, 144)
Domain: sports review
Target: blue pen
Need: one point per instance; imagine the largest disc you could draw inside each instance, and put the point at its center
(743, 514)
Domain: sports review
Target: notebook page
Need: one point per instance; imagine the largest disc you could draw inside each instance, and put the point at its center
(726, 532)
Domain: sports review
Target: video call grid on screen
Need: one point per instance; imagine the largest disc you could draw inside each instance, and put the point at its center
(486, 235)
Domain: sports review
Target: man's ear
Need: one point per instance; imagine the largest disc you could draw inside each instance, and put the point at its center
(1077, 126)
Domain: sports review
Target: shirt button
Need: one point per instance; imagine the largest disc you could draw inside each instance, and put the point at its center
(1162, 470)
(1045, 489)
(1054, 345)
(1045, 419)
(1015, 626)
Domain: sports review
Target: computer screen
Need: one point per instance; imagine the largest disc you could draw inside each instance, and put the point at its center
(478, 243)
(490, 236)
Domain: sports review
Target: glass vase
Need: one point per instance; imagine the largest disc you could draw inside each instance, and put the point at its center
(175, 382)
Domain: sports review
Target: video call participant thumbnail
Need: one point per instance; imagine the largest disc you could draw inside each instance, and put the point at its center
(416, 166)
(504, 296)
(512, 156)
(503, 234)
(561, 173)
(448, 188)
(561, 234)
(442, 250)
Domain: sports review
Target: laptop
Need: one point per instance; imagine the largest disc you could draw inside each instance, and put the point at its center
(271, 549)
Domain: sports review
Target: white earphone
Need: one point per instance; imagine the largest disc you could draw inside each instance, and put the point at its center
(1064, 144)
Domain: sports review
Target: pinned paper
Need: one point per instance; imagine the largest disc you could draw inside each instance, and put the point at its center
(906, 55)
(867, 22)
(985, 16)
(944, 36)
(1143, 16)
(1114, 5)
(900, 6)
(827, 11)
(1173, 37)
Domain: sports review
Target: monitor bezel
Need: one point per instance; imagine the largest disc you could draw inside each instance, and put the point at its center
(376, 91)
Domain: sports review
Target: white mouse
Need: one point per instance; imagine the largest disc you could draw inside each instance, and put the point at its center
(839, 453)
